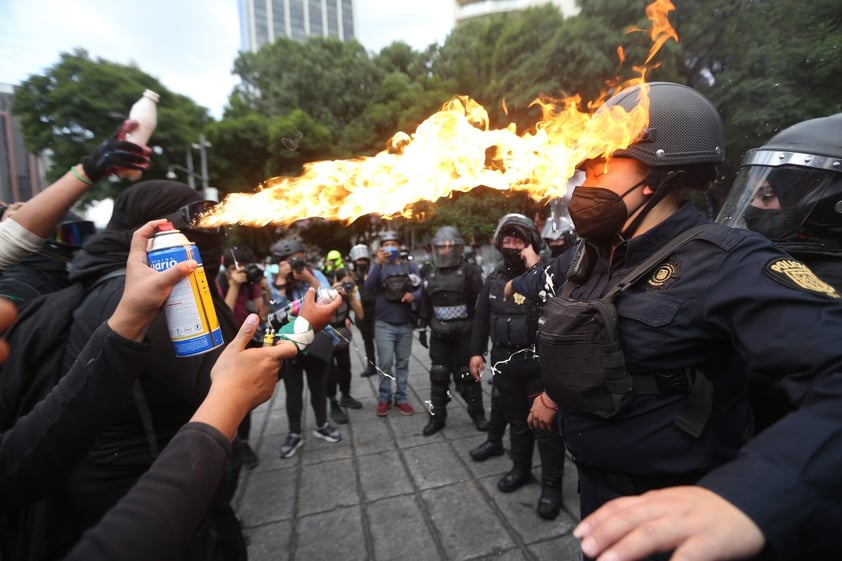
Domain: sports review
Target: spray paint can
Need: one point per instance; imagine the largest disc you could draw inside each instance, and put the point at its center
(191, 317)
(277, 319)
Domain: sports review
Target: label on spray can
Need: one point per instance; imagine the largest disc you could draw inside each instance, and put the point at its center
(191, 317)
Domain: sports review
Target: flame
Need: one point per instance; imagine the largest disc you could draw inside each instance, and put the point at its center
(454, 150)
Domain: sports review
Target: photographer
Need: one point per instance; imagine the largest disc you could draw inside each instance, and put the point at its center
(293, 280)
(240, 283)
(339, 371)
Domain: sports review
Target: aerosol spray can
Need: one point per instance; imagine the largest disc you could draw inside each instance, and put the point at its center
(145, 112)
(277, 319)
(191, 317)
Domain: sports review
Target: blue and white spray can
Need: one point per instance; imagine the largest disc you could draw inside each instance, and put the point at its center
(191, 317)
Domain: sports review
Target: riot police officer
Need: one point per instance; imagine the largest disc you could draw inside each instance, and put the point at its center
(511, 323)
(790, 191)
(689, 331)
(448, 296)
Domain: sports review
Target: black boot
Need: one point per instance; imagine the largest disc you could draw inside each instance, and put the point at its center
(549, 505)
(472, 394)
(486, 450)
(517, 477)
(434, 425)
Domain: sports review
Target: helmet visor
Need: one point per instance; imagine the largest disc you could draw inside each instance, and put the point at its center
(774, 200)
(447, 254)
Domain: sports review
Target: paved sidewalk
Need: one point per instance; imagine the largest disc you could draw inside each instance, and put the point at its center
(386, 492)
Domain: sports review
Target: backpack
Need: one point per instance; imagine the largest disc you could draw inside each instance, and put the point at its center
(582, 361)
(37, 340)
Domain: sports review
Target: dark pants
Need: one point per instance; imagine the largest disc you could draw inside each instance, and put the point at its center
(517, 381)
(339, 372)
(449, 354)
(366, 327)
(292, 373)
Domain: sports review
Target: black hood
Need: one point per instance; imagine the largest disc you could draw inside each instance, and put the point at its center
(138, 204)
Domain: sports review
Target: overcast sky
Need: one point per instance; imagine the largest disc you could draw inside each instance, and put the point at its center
(190, 46)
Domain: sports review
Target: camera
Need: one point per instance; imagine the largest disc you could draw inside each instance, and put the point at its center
(254, 273)
(297, 264)
(348, 286)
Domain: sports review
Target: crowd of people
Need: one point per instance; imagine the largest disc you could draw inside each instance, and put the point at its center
(691, 368)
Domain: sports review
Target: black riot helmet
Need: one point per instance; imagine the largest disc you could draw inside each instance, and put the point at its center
(448, 246)
(285, 247)
(684, 127)
(519, 226)
(559, 234)
(790, 189)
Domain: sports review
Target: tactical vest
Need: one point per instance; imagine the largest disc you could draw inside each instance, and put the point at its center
(514, 322)
(447, 294)
(395, 286)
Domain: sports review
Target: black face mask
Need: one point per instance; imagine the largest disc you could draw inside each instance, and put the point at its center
(599, 213)
(512, 260)
(776, 224)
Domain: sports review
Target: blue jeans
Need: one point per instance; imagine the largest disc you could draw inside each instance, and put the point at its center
(394, 344)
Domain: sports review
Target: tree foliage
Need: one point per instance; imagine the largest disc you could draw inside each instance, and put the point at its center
(321, 99)
(78, 102)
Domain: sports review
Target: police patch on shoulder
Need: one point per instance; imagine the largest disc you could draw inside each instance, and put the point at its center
(795, 274)
(519, 298)
(667, 273)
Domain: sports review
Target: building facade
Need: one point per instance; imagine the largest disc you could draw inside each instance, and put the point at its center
(469, 9)
(263, 21)
(21, 173)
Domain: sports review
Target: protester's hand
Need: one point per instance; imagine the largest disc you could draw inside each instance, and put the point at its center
(116, 153)
(8, 315)
(146, 289)
(476, 366)
(542, 414)
(248, 376)
(318, 314)
(529, 257)
(408, 298)
(241, 379)
(698, 524)
(422, 338)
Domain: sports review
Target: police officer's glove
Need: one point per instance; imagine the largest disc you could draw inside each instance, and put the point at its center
(116, 153)
(422, 338)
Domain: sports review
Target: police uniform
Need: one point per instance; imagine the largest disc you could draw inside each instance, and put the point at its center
(448, 299)
(511, 324)
(721, 305)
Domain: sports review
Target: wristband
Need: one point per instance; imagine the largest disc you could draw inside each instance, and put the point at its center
(544, 403)
(80, 177)
(298, 332)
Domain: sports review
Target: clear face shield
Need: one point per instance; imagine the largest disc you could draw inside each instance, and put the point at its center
(447, 254)
(774, 196)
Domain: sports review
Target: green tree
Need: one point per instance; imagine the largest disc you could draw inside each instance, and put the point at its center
(78, 102)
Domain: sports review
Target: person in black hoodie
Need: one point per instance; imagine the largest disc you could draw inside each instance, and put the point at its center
(169, 389)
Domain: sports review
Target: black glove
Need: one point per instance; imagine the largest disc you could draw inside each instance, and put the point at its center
(422, 338)
(116, 153)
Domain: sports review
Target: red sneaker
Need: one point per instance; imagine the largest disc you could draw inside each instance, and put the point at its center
(383, 408)
(405, 408)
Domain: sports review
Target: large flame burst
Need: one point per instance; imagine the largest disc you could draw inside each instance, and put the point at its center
(454, 150)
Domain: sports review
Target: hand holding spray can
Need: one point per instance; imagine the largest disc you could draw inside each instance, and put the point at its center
(191, 317)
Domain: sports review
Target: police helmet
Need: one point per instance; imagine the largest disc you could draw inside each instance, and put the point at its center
(519, 226)
(448, 246)
(684, 127)
(560, 228)
(285, 247)
(790, 189)
(359, 251)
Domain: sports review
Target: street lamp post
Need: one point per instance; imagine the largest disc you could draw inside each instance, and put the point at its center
(201, 146)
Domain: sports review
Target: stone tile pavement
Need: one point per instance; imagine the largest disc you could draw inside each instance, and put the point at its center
(386, 492)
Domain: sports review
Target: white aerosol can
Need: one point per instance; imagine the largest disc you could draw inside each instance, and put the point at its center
(191, 317)
(145, 112)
